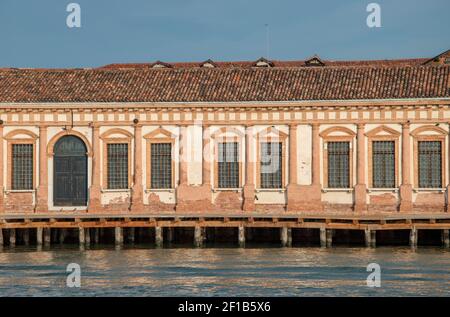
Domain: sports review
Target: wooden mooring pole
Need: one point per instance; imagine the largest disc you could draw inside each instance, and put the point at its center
(198, 236)
(39, 232)
(47, 236)
(241, 236)
(26, 236)
(118, 235)
(446, 238)
(286, 237)
(12, 237)
(413, 237)
(370, 237)
(158, 237)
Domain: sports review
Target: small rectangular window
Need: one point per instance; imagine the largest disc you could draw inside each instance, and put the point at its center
(22, 166)
(117, 165)
(228, 161)
(271, 165)
(430, 164)
(338, 164)
(383, 164)
(161, 165)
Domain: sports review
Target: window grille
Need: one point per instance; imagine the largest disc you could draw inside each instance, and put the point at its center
(383, 164)
(22, 166)
(271, 165)
(430, 164)
(117, 165)
(338, 164)
(161, 165)
(228, 161)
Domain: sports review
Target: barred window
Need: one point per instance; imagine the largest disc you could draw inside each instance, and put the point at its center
(117, 165)
(22, 166)
(383, 164)
(338, 164)
(161, 165)
(271, 167)
(430, 168)
(228, 162)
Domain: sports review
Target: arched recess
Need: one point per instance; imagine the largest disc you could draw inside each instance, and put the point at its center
(428, 128)
(221, 133)
(53, 140)
(70, 172)
(12, 135)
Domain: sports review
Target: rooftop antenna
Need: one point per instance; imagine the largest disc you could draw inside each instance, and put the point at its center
(267, 40)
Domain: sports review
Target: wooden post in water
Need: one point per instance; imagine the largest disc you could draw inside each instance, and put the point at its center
(198, 237)
(170, 235)
(249, 234)
(413, 237)
(241, 236)
(96, 235)
(158, 237)
(81, 236)
(12, 237)
(329, 237)
(323, 237)
(118, 234)
(131, 234)
(87, 236)
(370, 237)
(47, 236)
(286, 237)
(62, 235)
(39, 235)
(446, 238)
(26, 236)
(204, 237)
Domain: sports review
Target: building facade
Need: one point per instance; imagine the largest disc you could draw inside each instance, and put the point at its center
(258, 137)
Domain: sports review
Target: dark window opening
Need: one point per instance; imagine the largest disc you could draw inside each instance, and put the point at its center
(22, 166)
(117, 165)
(338, 164)
(161, 165)
(271, 165)
(228, 162)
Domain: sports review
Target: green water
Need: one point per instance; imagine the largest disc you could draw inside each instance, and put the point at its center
(145, 271)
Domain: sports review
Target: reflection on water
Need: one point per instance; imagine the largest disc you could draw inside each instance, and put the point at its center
(141, 271)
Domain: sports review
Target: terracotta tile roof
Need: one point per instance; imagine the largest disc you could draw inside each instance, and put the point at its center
(225, 84)
(276, 63)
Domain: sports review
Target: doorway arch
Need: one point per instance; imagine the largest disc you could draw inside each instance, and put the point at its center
(70, 172)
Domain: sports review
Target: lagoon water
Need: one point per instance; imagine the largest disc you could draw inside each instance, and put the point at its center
(141, 270)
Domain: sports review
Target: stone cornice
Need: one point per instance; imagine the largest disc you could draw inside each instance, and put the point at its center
(230, 106)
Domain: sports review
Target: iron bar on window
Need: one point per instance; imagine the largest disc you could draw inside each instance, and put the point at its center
(22, 166)
(161, 165)
(430, 164)
(117, 165)
(228, 157)
(383, 164)
(271, 167)
(338, 164)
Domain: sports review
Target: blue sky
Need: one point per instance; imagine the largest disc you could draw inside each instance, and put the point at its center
(34, 33)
